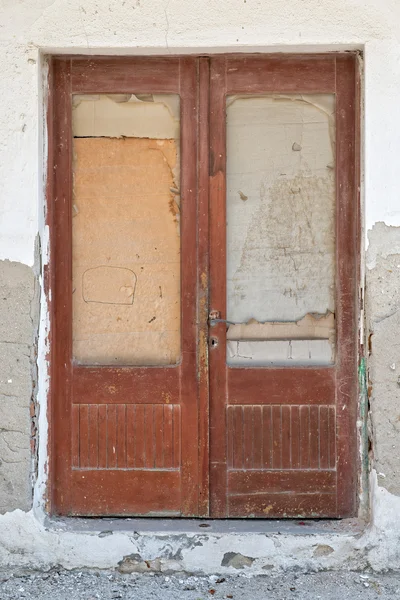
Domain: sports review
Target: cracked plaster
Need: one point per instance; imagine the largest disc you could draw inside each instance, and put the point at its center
(383, 323)
(17, 333)
(27, 30)
(27, 542)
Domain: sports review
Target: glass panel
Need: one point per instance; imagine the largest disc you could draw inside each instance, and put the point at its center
(126, 231)
(281, 229)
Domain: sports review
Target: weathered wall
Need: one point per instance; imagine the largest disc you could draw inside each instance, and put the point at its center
(29, 29)
(125, 229)
(18, 306)
(383, 321)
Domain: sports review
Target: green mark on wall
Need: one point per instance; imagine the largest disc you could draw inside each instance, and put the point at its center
(362, 378)
(363, 390)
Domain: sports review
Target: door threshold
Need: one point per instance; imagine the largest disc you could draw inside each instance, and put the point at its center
(144, 525)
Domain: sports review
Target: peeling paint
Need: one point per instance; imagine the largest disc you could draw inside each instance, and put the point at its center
(278, 353)
(26, 543)
(236, 560)
(311, 326)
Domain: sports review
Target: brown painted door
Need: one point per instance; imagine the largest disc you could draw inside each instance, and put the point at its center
(203, 219)
(124, 284)
(283, 272)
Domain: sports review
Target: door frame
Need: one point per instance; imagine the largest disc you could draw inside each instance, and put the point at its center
(207, 175)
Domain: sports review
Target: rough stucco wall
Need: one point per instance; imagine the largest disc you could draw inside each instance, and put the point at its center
(383, 320)
(168, 26)
(30, 27)
(18, 304)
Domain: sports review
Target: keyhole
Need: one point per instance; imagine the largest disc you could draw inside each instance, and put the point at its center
(214, 342)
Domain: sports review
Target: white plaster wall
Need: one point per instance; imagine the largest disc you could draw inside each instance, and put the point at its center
(31, 28)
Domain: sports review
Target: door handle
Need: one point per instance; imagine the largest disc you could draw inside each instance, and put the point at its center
(214, 317)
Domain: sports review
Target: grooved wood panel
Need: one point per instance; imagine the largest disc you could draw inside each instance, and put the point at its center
(281, 437)
(126, 436)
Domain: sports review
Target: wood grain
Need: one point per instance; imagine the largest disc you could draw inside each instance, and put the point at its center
(201, 438)
(308, 413)
(119, 424)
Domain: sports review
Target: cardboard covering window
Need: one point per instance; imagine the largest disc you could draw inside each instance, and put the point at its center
(126, 229)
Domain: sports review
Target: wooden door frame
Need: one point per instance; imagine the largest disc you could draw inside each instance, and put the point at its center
(111, 75)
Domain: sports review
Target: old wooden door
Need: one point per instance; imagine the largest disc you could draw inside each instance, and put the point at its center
(283, 272)
(123, 177)
(203, 219)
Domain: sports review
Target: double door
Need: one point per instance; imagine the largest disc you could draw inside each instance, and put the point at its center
(204, 227)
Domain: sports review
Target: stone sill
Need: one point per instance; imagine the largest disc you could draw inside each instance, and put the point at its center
(173, 526)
